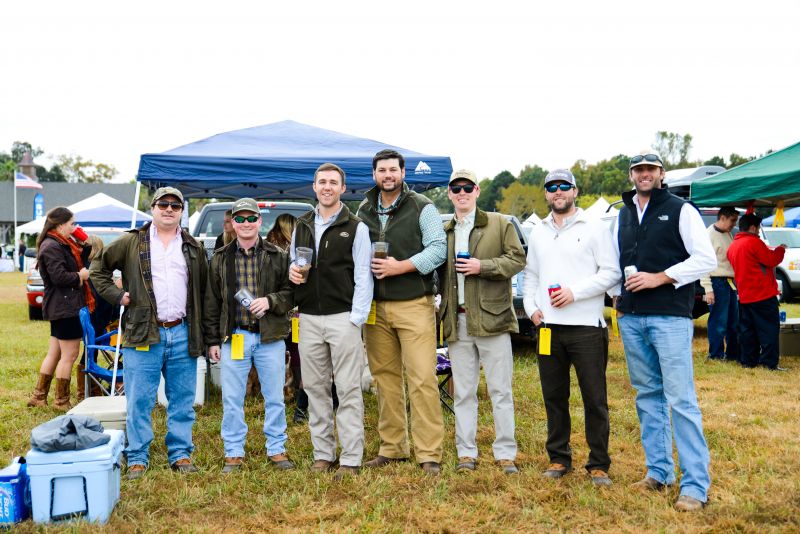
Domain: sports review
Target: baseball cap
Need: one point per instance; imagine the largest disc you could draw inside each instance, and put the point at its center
(560, 175)
(647, 157)
(165, 191)
(245, 204)
(463, 174)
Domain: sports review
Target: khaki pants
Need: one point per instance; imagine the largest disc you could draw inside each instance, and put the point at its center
(330, 345)
(404, 336)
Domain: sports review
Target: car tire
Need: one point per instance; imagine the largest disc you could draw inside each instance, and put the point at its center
(34, 313)
(786, 292)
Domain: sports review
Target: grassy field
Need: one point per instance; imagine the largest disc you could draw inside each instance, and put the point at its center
(751, 420)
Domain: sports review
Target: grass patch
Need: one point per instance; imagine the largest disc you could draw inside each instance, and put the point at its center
(750, 418)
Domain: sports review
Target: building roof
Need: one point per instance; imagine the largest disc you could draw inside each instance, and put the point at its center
(55, 194)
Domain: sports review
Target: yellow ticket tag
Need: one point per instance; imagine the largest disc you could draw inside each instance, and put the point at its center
(237, 347)
(730, 283)
(614, 323)
(544, 341)
(373, 312)
(143, 348)
(295, 330)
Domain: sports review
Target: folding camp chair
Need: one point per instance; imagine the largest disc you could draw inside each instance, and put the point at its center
(445, 375)
(99, 358)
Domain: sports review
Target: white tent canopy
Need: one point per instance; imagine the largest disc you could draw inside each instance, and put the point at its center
(533, 219)
(599, 208)
(97, 210)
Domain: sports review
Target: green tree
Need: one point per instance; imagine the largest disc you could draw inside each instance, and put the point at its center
(18, 149)
(716, 160)
(54, 174)
(77, 169)
(674, 149)
(438, 196)
(736, 160)
(521, 200)
(606, 177)
(492, 190)
(532, 175)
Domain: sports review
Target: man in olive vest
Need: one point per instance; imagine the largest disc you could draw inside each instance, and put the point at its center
(404, 333)
(333, 297)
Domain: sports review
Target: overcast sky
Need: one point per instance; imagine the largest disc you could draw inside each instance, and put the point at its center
(494, 85)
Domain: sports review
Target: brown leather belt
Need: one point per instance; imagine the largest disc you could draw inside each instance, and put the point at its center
(250, 328)
(169, 324)
(461, 309)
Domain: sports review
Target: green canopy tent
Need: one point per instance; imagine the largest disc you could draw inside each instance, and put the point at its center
(765, 180)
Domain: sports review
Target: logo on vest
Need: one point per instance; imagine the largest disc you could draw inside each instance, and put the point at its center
(344, 234)
(422, 168)
(663, 217)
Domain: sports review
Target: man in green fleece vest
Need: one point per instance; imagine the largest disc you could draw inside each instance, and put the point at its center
(404, 333)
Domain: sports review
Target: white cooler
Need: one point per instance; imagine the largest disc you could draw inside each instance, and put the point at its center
(110, 411)
(76, 484)
(200, 391)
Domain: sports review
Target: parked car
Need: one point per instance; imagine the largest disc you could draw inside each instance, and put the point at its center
(34, 286)
(788, 272)
(212, 219)
(525, 323)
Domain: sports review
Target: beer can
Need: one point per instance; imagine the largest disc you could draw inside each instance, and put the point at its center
(629, 270)
(462, 255)
(553, 288)
(783, 316)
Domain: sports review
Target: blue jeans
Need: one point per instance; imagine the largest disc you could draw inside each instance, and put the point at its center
(269, 360)
(658, 349)
(143, 369)
(723, 320)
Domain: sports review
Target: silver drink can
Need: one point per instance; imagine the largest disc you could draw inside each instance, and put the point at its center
(629, 270)
(245, 298)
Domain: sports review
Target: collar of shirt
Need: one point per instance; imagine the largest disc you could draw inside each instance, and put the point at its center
(639, 210)
(466, 220)
(380, 209)
(154, 233)
(320, 219)
(249, 251)
(569, 221)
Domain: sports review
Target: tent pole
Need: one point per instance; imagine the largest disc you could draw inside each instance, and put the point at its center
(135, 204)
(15, 254)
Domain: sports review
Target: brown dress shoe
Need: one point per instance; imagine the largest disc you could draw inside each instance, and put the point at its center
(39, 396)
(184, 465)
(345, 471)
(431, 468)
(232, 464)
(466, 463)
(688, 504)
(383, 461)
(648, 484)
(600, 477)
(322, 466)
(508, 466)
(136, 471)
(556, 470)
(281, 461)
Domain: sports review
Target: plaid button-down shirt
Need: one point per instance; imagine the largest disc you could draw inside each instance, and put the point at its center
(247, 277)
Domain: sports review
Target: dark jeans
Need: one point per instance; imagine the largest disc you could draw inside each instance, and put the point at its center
(723, 320)
(585, 347)
(760, 328)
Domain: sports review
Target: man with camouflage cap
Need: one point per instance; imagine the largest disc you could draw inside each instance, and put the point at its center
(163, 279)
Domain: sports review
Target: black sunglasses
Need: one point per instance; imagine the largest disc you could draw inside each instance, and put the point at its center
(652, 158)
(552, 188)
(241, 218)
(163, 204)
(468, 188)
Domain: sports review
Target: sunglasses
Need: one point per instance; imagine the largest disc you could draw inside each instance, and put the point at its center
(241, 218)
(467, 188)
(163, 204)
(552, 188)
(652, 158)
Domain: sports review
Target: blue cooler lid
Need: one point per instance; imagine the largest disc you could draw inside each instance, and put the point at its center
(108, 452)
(13, 470)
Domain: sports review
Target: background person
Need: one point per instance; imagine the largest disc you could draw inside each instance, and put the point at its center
(65, 292)
(257, 332)
(759, 313)
(227, 234)
(164, 272)
(478, 317)
(721, 295)
(21, 252)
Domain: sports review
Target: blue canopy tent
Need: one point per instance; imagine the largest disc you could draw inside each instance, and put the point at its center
(278, 161)
(791, 218)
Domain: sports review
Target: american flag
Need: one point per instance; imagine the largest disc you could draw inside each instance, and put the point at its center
(22, 181)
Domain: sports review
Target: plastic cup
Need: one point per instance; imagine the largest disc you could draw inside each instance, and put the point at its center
(302, 258)
(380, 250)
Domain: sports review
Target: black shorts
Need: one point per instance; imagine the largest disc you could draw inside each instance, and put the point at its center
(69, 328)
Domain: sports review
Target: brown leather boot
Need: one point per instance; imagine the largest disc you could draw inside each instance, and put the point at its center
(39, 397)
(62, 395)
(81, 378)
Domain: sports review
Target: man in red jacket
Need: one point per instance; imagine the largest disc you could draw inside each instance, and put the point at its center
(754, 271)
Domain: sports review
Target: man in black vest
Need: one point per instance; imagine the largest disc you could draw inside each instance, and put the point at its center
(663, 249)
(334, 301)
(404, 333)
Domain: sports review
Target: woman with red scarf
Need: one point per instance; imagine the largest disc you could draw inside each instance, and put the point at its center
(66, 291)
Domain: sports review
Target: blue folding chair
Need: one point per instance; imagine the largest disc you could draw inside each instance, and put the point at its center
(99, 358)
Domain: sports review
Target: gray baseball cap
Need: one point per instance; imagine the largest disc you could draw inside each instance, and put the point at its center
(245, 204)
(560, 175)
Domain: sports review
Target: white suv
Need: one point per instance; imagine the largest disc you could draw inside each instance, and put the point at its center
(788, 272)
